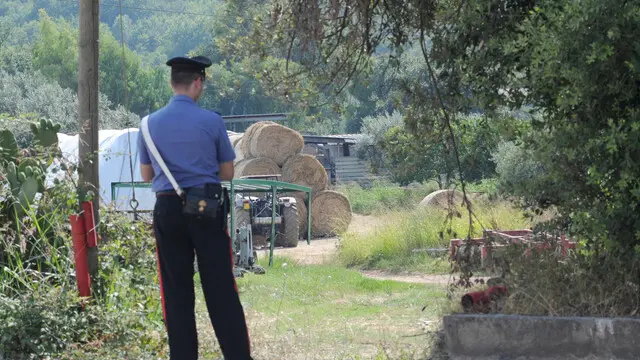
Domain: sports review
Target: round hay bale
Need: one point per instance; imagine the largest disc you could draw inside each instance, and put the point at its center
(248, 134)
(275, 142)
(330, 213)
(305, 170)
(441, 199)
(256, 166)
(237, 168)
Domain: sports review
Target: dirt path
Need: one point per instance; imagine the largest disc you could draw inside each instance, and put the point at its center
(409, 278)
(321, 251)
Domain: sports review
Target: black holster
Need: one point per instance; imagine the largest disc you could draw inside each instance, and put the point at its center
(208, 201)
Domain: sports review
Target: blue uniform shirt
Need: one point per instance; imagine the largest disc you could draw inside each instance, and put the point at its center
(192, 141)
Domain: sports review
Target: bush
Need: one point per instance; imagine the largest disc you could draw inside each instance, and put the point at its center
(516, 168)
(42, 322)
(40, 313)
(373, 129)
(584, 283)
(411, 159)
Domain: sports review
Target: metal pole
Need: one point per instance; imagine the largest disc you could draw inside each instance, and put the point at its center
(232, 226)
(273, 223)
(88, 73)
(308, 217)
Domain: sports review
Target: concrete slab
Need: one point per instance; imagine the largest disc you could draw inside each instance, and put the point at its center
(514, 337)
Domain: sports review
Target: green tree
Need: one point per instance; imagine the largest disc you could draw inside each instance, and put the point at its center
(412, 159)
(147, 88)
(577, 63)
(55, 53)
(419, 157)
(56, 56)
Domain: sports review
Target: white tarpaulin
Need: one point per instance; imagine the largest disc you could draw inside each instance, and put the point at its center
(113, 165)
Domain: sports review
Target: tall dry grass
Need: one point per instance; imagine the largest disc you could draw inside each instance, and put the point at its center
(407, 235)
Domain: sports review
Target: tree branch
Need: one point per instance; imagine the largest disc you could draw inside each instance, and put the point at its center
(445, 112)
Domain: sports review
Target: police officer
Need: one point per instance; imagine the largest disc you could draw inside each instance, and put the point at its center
(196, 149)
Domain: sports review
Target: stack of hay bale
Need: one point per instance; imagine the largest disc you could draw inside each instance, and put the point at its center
(268, 148)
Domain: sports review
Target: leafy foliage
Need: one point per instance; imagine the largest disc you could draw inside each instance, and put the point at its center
(414, 160)
(373, 130)
(40, 313)
(410, 157)
(577, 65)
(518, 171)
(40, 316)
(57, 45)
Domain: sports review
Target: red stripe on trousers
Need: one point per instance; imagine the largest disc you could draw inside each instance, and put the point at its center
(164, 309)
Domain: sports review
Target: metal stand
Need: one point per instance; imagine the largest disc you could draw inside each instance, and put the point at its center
(245, 259)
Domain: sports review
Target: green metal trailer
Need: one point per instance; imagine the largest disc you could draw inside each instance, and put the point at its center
(237, 186)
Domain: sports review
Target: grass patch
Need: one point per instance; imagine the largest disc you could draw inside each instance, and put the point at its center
(329, 312)
(399, 244)
(418, 262)
(382, 197)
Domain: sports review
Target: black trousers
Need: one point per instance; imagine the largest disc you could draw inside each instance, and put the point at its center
(178, 238)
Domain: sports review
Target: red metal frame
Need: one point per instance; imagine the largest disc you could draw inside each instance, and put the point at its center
(523, 236)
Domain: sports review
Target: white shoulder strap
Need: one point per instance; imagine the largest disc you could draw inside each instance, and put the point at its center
(152, 148)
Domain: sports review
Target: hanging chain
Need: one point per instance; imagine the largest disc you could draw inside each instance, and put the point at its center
(134, 202)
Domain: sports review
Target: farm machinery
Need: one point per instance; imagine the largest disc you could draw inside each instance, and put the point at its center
(488, 254)
(258, 213)
(485, 253)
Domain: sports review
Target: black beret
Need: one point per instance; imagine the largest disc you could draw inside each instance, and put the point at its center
(196, 64)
